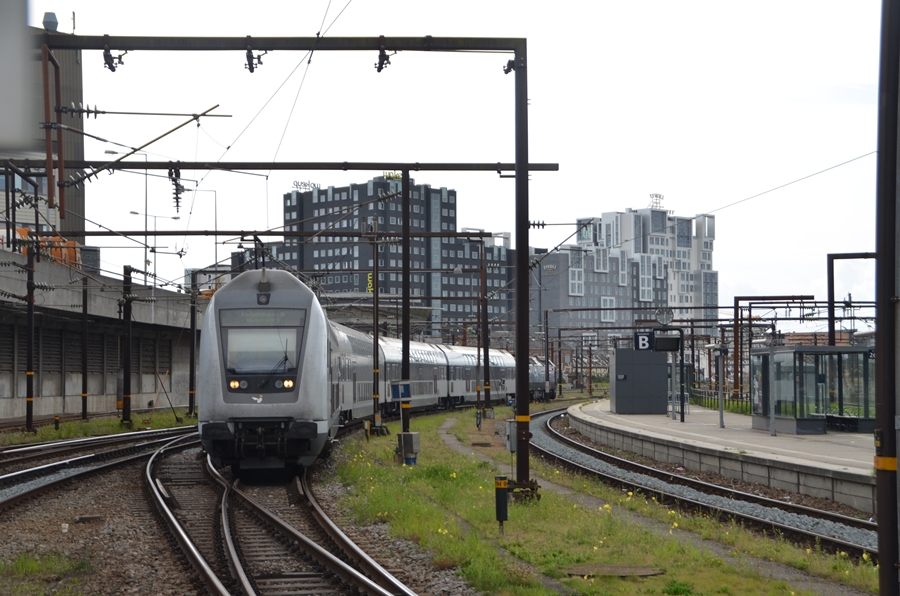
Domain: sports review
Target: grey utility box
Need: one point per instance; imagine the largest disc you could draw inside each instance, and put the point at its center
(638, 382)
(511, 435)
(408, 444)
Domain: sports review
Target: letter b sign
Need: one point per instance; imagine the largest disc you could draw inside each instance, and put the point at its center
(643, 341)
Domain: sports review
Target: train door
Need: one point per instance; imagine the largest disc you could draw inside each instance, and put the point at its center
(452, 382)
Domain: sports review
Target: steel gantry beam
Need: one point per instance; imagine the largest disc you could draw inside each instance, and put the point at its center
(425, 43)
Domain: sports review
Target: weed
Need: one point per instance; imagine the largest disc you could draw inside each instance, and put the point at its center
(678, 588)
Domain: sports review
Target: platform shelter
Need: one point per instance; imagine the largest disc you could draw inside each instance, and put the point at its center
(816, 389)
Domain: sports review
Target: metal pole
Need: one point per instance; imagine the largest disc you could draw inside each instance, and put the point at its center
(407, 251)
(145, 264)
(721, 361)
(831, 259)
(671, 384)
(831, 334)
(487, 331)
(376, 419)
(29, 338)
(48, 132)
(478, 333)
(722, 374)
(886, 431)
(559, 357)
(591, 368)
(84, 346)
(681, 369)
(192, 375)
(523, 417)
(126, 346)
(546, 353)
(771, 368)
(153, 287)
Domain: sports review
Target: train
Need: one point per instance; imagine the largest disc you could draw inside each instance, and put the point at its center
(277, 379)
(538, 387)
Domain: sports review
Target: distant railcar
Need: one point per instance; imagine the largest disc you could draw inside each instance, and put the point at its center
(539, 387)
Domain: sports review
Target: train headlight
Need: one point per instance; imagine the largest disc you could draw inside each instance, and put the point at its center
(243, 384)
(278, 384)
(288, 383)
(234, 384)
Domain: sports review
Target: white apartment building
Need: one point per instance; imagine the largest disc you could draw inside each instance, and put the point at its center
(674, 248)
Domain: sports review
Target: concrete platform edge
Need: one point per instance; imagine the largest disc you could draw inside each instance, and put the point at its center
(853, 489)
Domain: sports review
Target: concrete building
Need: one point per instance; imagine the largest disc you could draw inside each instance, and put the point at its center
(160, 341)
(623, 267)
(663, 246)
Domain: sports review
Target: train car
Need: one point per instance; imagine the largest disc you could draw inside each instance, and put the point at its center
(503, 376)
(537, 386)
(264, 395)
(465, 376)
(351, 371)
(462, 381)
(427, 374)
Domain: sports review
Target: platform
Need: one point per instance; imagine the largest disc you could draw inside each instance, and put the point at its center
(837, 466)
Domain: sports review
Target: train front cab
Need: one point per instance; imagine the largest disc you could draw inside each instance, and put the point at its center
(263, 382)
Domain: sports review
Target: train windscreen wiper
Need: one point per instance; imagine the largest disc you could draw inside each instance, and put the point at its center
(281, 363)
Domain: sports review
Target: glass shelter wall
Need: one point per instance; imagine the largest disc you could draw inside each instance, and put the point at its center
(815, 382)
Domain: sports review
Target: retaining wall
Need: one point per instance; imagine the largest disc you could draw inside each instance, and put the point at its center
(855, 490)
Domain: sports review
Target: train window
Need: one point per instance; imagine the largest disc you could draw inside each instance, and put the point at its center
(261, 350)
(262, 340)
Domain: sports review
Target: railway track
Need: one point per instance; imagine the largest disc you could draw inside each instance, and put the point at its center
(28, 482)
(15, 457)
(258, 538)
(727, 502)
(18, 424)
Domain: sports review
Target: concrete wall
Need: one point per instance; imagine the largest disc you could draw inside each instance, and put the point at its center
(159, 329)
(50, 399)
(855, 490)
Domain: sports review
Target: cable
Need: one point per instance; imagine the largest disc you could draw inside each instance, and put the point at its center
(635, 238)
(303, 80)
(792, 182)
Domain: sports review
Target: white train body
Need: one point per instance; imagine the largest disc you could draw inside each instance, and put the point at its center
(276, 378)
(263, 391)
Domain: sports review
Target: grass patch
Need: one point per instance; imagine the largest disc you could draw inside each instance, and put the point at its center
(446, 504)
(29, 575)
(107, 425)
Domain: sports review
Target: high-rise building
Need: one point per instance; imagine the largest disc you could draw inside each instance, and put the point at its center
(631, 263)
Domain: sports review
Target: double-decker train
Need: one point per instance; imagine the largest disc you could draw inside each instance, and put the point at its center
(277, 378)
(542, 383)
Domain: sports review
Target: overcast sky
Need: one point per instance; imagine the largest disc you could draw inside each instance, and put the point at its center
(707, 103)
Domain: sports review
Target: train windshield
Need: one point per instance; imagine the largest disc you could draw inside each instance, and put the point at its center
(262, 341)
